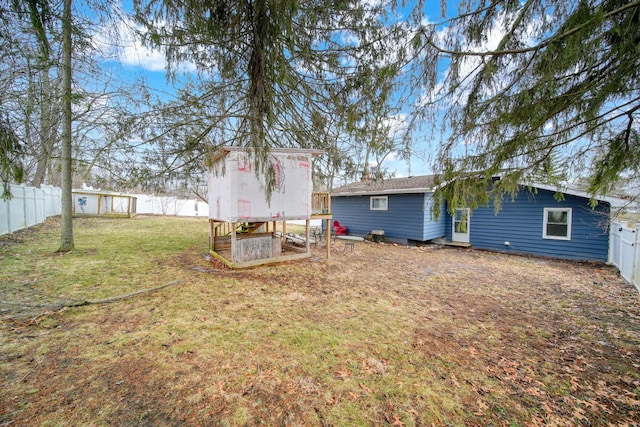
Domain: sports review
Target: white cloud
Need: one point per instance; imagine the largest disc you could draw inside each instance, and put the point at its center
(391, 157)
(134, 54)
(124, 45)
(397, 124)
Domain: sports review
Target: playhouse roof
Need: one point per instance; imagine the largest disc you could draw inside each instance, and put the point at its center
(411, 184)
(224, 151)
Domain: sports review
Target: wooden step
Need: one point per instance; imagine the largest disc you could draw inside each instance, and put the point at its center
(458, 244)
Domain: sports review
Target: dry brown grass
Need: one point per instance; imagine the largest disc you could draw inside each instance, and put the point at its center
(383, 335)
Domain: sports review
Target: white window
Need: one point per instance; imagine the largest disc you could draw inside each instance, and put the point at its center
(557, 223)
(378, 203)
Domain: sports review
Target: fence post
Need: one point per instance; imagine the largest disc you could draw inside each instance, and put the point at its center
(620, 248)
(616, 243)
(612, 234)
(636, 258)
(23, 214)
(4, 228)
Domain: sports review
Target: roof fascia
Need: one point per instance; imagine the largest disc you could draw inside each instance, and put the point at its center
(613, 201)
(384, 192)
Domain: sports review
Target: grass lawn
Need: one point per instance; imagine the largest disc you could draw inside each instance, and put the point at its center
(383, 335)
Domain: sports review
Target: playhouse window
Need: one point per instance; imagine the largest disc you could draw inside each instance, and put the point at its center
(378, 203)
(557, 223)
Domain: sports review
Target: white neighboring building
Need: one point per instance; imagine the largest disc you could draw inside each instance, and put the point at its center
(96, 202)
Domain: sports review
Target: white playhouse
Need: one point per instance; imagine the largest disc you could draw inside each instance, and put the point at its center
(243, 220)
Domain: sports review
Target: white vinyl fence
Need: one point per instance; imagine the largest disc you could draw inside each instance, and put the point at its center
(624, 251)
(28, 206)
(149, 204)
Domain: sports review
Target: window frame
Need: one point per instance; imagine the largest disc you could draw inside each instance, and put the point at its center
(545, 223)
(386, 203)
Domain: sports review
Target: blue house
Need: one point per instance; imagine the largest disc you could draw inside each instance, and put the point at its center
(401, 207)
(534, 223)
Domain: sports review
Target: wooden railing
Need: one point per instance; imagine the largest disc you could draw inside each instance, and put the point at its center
(320, 204)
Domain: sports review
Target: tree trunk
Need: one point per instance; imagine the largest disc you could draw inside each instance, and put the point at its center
(66, 228)
(47, 134)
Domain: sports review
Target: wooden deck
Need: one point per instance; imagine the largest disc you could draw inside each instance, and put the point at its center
(458, 244)
(225, 235)
(289, 253)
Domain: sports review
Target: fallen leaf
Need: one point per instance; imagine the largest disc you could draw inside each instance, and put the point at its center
(397, 421)
(342, 374)
(482, 406)
(365, 388)
(579, 413)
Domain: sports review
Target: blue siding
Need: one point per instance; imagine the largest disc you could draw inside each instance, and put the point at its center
(433, 229)
(521, 224)
(407, 217)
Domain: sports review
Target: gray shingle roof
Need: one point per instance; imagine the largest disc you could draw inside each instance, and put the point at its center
(412, 184)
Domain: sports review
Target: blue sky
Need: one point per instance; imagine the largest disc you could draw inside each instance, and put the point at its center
(134, 61)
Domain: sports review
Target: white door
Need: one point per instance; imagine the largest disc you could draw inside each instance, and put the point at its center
(460, 223)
